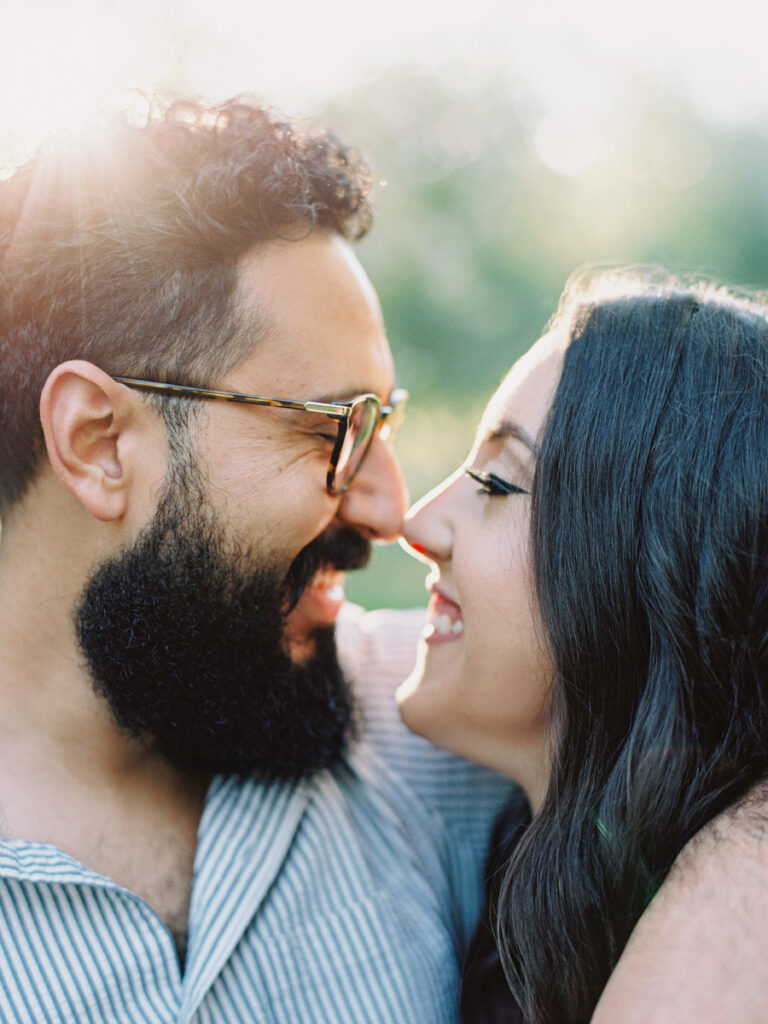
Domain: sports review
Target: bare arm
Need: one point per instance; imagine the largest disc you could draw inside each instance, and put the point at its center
(699, 953)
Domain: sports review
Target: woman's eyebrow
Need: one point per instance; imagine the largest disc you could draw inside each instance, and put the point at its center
(507, 429)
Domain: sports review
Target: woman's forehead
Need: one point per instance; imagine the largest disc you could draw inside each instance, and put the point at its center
(525, 395)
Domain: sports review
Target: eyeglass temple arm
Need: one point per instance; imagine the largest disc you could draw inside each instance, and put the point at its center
(337, 412)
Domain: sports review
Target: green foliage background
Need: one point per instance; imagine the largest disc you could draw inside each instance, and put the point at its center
(475, 237)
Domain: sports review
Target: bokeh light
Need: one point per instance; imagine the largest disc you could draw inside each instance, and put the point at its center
(574, 65)
(517, 139)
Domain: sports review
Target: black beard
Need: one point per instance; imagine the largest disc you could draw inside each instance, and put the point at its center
(183, 636)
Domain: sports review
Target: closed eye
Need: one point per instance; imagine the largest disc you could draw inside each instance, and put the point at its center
(323, 430)
(493, 485)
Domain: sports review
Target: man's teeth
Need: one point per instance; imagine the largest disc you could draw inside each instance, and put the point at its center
(331, 581)
(327, 578)
(446, 625)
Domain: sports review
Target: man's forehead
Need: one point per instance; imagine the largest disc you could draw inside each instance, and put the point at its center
(302, 269)
(321, 331)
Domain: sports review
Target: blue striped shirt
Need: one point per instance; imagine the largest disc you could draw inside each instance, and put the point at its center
(348, 898)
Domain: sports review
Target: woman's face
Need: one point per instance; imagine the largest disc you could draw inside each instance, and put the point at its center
(480, 684)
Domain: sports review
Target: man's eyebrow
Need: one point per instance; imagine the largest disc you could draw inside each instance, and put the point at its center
(508, 429)
(327, 399)
(335, 397)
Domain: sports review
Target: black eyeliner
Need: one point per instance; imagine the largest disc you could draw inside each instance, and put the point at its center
(491, 480)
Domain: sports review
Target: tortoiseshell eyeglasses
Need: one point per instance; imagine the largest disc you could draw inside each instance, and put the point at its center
(357, 421)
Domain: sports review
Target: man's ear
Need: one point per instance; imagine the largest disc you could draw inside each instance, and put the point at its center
(85, 415)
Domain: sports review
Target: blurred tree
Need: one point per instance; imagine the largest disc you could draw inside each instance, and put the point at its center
(477, 229)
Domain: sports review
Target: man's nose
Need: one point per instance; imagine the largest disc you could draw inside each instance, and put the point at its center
(377, 498)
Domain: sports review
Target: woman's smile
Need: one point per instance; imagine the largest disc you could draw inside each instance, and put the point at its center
(445, 622)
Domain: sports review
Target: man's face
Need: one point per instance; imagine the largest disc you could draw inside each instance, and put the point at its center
(266, 468)
(186, 633)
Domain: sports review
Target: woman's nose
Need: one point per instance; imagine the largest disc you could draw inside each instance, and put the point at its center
(429, 525)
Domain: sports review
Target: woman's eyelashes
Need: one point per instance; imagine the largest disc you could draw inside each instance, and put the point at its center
(492, 484)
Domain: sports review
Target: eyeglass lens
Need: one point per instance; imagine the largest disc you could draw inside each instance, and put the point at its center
(360, 428)
(394, 420)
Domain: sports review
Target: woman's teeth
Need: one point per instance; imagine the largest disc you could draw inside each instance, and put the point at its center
(446, 625)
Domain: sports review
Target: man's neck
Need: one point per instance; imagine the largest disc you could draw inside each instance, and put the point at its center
(46, 693)
(68, 775)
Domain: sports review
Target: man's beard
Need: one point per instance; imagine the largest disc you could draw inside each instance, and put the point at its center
(183, 635)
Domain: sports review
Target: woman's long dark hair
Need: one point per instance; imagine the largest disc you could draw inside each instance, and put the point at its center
(650, 541)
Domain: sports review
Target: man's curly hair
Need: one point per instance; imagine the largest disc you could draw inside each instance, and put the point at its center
(122, 248)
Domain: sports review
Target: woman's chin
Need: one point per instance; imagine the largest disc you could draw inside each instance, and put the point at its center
(425, 705)
(412, 701)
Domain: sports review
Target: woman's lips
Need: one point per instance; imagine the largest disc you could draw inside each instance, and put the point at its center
(445, 622)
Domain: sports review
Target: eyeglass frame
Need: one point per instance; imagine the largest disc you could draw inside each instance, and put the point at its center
(339, 411)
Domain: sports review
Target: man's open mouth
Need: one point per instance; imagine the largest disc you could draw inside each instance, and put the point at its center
(317, 608)
(325, 592)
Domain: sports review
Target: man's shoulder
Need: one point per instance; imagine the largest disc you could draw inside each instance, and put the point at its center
(377, 649)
